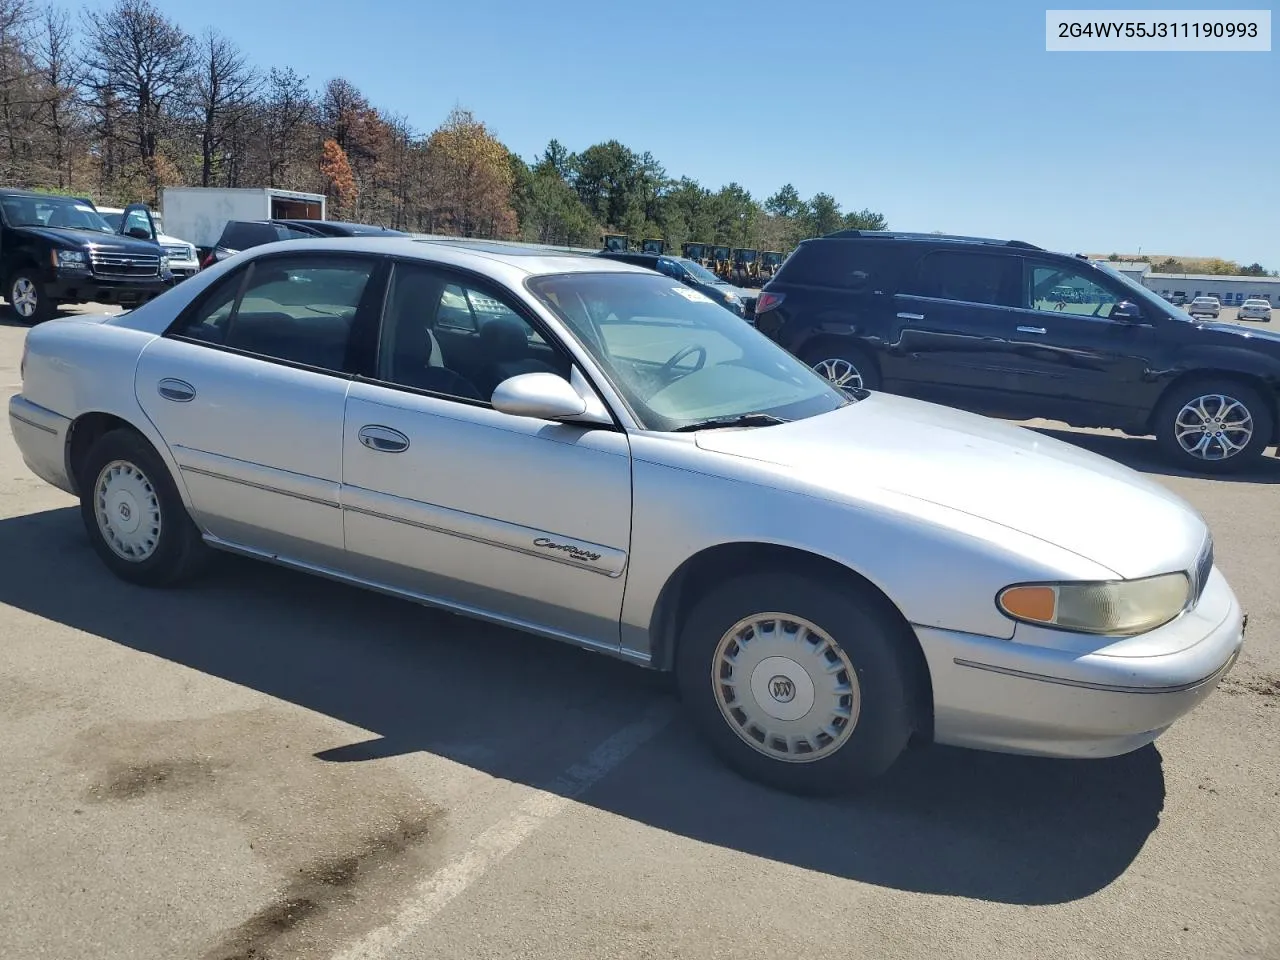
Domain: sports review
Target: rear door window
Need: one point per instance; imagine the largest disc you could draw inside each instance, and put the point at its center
(967, 278)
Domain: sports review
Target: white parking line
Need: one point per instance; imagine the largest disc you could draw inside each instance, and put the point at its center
(435, 892)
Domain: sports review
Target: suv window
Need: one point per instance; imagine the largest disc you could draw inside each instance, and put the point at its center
(845, 264)
(299, 309)
(1060, 289)
(670, 268)
(243, 234)
(967, 277)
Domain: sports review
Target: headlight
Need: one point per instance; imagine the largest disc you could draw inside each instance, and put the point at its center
(1112, 607)
(69, 258)
(164, 263)
(730, 298)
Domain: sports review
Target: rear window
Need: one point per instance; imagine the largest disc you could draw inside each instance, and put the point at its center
(967, 277)
(857, 266)
(239, 235)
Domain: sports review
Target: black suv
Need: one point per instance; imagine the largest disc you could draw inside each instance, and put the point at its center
(1007, 329)
(56, 249)
(692, 274)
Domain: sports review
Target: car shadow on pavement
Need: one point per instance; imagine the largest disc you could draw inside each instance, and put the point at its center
(523, 709)
(1144, 454)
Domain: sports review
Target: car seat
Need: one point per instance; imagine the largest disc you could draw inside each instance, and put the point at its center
(505, 346)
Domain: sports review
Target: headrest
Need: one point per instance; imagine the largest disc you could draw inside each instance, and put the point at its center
(504, 340)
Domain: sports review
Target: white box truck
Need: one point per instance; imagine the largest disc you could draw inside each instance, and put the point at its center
(198, 214)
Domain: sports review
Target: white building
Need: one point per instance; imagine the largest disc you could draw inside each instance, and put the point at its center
(1230, 290)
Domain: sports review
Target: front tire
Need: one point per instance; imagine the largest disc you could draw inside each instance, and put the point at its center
(797, 683)
(27, 299)
(134, 515)
(844, 365)
(1216, 425)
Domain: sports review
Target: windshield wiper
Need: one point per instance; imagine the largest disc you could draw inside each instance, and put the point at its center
(738, 420)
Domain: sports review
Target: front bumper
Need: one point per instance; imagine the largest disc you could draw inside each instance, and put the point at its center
(184, 270)
(1012, 697)
(83, 287)
(41, 436)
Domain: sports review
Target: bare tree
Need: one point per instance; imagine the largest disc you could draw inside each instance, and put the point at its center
(287, 110)
(56, 64)
(142, 61)
(15, 93)
(223, 92)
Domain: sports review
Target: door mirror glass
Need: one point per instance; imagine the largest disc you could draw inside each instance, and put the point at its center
(1126, 311)
(542, 396)
(136, 222)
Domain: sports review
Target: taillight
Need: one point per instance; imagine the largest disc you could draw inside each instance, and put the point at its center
(768, 301)
(22, 366)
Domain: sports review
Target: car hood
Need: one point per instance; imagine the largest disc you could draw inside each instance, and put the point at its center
(1245, 333)
(1012, 476)
(111, 242)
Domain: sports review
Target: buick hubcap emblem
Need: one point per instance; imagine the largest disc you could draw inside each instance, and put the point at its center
(125, 512)
(782, 689)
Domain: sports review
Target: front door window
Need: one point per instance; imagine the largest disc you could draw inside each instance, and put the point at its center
(1064, 290)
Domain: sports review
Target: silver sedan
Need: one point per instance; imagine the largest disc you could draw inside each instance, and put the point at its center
(598, 454)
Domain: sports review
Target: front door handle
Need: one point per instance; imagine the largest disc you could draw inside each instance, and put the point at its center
(383, 439)
(1031, 329)
(911, 316)
(176, 390)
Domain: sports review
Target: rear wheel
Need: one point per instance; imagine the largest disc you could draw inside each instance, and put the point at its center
(27, 299)
(844, 365)
(1214, 425)
(134, 515)
(797, 683)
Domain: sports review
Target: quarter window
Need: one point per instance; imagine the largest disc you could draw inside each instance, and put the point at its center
(968, 278)
(1056, 289)
(297, 309)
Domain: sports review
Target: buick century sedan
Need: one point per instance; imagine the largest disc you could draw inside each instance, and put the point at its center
(595, 453)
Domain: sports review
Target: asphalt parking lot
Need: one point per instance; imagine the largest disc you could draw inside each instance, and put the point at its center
(263, 765)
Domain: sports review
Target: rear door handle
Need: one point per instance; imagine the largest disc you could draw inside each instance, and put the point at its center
(911, 316)
(1031, 329)
(176, 390)
(383, 439)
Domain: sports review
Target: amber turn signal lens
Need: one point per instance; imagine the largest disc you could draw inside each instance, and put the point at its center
(1036, 603)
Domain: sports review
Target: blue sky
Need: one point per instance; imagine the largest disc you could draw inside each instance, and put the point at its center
(944, 116)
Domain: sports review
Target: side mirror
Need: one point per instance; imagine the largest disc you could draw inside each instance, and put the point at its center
(542, 396)
(138, 233)
(1126, 311)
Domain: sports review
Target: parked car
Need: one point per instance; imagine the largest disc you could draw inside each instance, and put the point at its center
(1255, 309)
(1178, 298)
(630, 468)
(183, 261)
(340, 228)
(1205, 307)
(983, 325)
(240, 235)
(693, 275)
(56, 250)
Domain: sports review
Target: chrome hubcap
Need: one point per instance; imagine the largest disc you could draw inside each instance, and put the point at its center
(840, 372)
(1213, 427)
(128, 511)
(785, 687)
(23, 297)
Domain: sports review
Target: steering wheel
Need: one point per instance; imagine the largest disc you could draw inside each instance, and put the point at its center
(693, 348)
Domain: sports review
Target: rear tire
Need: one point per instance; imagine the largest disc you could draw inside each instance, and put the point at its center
(1215, 425)
(844, 364)
(134, 515)
(798, 683)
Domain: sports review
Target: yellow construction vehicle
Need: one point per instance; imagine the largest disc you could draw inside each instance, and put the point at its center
(698, 252)
(722, 263)
(617, 242)
(654, 245)
(770, 261)
(746, 267)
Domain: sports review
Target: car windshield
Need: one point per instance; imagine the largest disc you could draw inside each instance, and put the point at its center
(677, 357)
(66, 212)
(113, 219)
(1146, 296)
(700, 273)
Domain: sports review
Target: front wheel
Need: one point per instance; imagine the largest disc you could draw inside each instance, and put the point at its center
(27, 298)
(134, 515)
(1214, 425)
(797, 683)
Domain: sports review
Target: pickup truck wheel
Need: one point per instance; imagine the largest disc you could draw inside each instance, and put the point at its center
(1216, 425)
(134, 515)
(27, 299)
(845, 365)
(796, 683)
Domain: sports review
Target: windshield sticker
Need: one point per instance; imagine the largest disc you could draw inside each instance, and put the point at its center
(692, 296)
(83, 209)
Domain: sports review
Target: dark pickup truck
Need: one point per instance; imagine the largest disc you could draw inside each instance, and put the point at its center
(56, 249)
